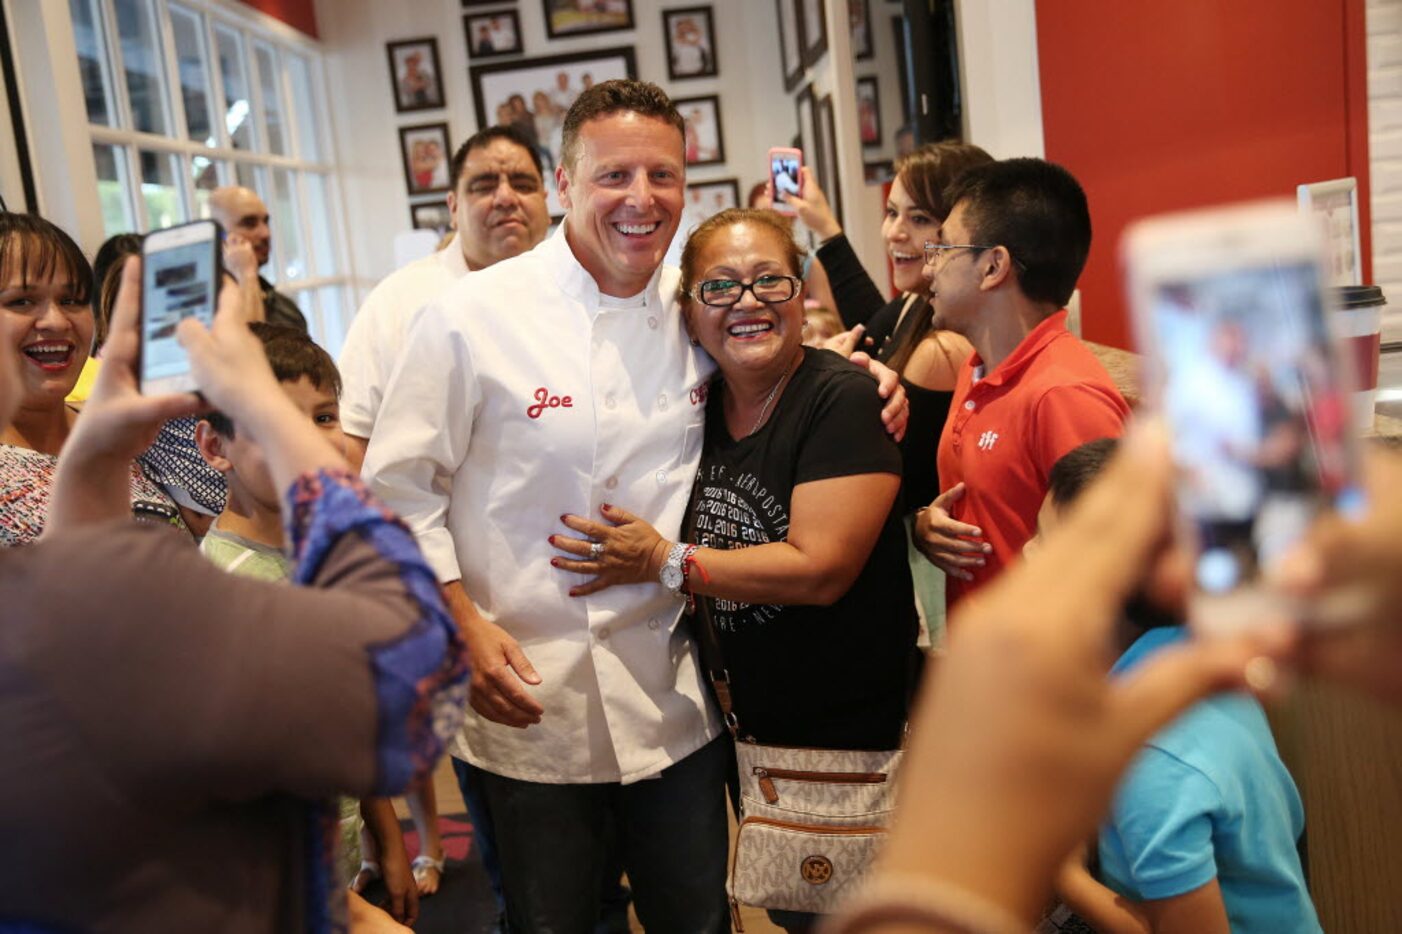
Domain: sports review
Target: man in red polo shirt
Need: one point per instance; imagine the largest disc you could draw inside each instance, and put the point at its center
(1005, 265)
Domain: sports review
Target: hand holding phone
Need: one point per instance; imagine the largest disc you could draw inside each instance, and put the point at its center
(1240, 360)
(785, 177)
(182, 271)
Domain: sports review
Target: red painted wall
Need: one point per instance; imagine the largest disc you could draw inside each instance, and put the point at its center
(299, 14)
(1157, 106)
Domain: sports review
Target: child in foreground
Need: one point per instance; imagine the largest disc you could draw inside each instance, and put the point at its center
(247, 539)
(1204, 831)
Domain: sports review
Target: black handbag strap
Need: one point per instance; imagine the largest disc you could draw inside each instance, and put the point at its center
(703, 630)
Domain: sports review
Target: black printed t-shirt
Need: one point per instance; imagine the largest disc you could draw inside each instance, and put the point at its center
(838, 676)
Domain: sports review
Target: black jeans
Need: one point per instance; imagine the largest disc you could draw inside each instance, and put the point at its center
(671, 830)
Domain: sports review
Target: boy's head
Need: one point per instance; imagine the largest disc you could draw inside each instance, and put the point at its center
(1034, 209)
(1068, 479)
(309, 378)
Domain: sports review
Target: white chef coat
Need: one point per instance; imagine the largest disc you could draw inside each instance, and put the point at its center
(378, 331)
(519, 398)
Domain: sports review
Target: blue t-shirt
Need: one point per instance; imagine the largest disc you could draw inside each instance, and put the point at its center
(1208, 797)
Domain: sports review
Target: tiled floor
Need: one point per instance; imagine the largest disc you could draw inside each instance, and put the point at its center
(450, 802)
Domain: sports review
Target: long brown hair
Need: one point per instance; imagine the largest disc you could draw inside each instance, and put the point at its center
(925, 174)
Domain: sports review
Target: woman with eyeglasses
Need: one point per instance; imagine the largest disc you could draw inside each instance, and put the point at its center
(793, 537)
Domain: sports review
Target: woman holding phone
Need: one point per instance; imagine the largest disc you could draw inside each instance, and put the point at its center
(901, 332)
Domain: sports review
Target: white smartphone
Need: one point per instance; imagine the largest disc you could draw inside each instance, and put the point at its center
(181, 272)
(785, 165)
(1240, 358)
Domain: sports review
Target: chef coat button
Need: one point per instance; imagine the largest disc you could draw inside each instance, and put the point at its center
(653, 624)
(662, 402)
(661, 476)
(611, 483)
(652, 321)
(969, 405)
(610, 401)
(603, 633)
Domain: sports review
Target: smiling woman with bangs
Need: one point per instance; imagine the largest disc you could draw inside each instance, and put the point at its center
(46, 294)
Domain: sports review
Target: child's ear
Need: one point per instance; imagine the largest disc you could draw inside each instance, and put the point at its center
(211, 446)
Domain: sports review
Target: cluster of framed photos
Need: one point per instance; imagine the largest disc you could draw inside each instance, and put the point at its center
(533, 94)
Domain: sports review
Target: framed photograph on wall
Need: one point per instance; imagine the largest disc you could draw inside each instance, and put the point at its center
(470, 4)
(869, 111)
(413, 70)
(691, 44)
(708, 198)
(705, 145)
(790, 43)
(813, 24)
(489, 34)
(829, 176)
(533, 94)
(807, 138)
(431, 215)
(425, 151)
(576, 17)
(859, 19)
(1335, 203)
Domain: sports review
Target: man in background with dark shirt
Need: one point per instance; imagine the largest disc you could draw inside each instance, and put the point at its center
(241, 211)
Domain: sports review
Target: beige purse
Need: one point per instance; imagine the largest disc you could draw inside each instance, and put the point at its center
(811, 820)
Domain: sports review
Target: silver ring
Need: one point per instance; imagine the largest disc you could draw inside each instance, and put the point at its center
(596, 550)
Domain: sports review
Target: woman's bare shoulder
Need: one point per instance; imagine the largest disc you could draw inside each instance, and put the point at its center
(935, 362)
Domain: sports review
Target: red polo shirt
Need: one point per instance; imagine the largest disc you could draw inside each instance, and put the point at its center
(1006, 430)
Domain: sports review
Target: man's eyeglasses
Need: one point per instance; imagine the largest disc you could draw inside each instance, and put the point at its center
(722, 293)
(936, 253)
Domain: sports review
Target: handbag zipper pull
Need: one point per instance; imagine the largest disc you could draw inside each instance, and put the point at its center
(766, 785)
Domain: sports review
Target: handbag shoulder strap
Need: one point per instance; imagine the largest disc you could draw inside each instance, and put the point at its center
(703, 628)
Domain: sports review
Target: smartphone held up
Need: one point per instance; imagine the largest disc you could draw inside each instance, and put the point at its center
(785, 178)
(181, 272)
(1241, 360)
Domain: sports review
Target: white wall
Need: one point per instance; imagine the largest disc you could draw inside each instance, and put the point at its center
(998, 59)
(353, 37)
(1384, 18)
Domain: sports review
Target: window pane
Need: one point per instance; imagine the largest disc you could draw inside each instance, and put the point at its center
(141, 62)
(287, 231)
(92, 60)
(321, 223)
(333, 324)
(304, 112)
(206, 175)
(268, 87)
(249, 176)
(160, 190)
(112, 189)
(238, 113)
(193, 67)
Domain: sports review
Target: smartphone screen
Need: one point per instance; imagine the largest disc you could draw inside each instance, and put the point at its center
(180, 278)
(1258, 408)
(783, 173)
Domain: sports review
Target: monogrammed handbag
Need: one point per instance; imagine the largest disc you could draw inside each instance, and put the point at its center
(811, 820)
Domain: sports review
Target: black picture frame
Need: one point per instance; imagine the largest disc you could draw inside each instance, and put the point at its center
(430, 215)
(474, 22)
(790, 43)
(807, 139)
(829, 177)
(878, 173)
(425, 178)
(729, 185)
(562, 18)
(859, 17)
(869, 117)
(697, 140)
(496, 81)
(812, 30)
(408, 92)
(474, 4)
(705, 49)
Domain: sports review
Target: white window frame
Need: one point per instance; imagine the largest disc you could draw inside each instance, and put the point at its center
(252, 29)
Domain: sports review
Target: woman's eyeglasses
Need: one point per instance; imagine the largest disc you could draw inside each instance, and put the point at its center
(722, 293)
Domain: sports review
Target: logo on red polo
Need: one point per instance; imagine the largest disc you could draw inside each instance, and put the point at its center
(544, 400)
